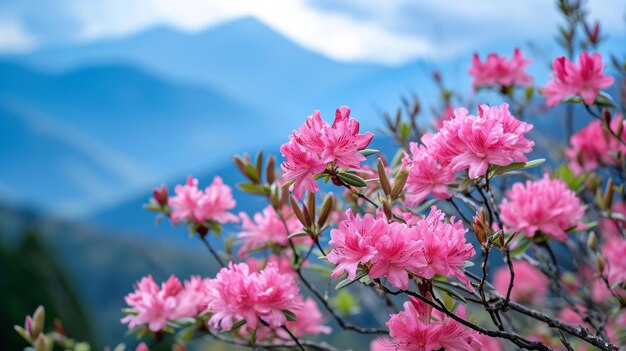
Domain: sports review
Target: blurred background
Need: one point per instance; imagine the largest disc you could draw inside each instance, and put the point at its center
(102, 100)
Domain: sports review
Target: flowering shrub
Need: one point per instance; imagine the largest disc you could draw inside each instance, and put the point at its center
(479, 249)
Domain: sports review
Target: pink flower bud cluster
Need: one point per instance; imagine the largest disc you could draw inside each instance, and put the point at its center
(418, 327)
(423, 247)
(500, 70)
(267, 228)
(584, 79)
(198, 206)
(546, 206)
(316, 145)
(154, 306)
(236, 293)
(593, 146)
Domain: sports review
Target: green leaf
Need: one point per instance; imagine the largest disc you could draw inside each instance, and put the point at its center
(405, 131)
(186, 334)
(454, 294)
(290, 315)
(523, 244)
(352, 179)
(255, 189)
(215, 227)
(368, 152)
(345, 303)
(319, 269)
(298, 234)
(565, 173)
(237, 325)
(347, 282)
(498, 170)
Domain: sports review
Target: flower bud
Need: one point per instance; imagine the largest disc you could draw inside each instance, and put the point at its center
(600, 263)
(310, 201)
(39, 319)
(592, 241)
(161, 195)
(608, 194)
(297, 211)
(479, 227)
(382, 176)
(270, 169)
(387, 210)
(399, 182)
(327, 206)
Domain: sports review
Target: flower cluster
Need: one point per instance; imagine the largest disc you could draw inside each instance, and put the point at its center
(530, 284)
(418, 328)
(316, 145)
(237, 293)
(500, 70)
(593, 146)
(266, 228)
(545, 206)
(470, 142)
(198, 206)
(426, 176)
(423, 247)
(584, 79)
(154, 306)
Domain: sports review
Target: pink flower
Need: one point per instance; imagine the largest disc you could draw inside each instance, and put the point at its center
(193, 204)
(499, 70)
(353, 242)
(545, 206)
(426, 177)
(236, 293)
(415, 329)
(530, 285)
(156, 306)
(268, 228)
(142, 347)
(309, 320)
(592, 146)
(316, 145)
(615, 266)
(397, 252)
(585, 79)
(445, 248)
(475, 142)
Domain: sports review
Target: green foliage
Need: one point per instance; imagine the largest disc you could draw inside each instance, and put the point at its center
(29, 277)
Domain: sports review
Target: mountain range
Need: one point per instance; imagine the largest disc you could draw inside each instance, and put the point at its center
(86, 126)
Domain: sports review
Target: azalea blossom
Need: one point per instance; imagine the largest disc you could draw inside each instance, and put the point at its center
(445, 247)
(316, 145)
(198, 206)
(154, 306)
(593, 146)
(267, 227)
(472, 143)
(545, 206)
(530, 285)
(584, 79)
(426, 176)
(237, 293)
(353, 242)
(500, 70)
(417, 328)
(422, 247)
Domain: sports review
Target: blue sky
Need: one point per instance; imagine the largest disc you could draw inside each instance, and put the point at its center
(389, 32)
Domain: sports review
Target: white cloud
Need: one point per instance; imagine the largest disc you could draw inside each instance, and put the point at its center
(14, 37)
(391, 31)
